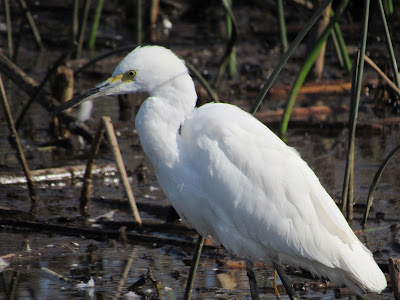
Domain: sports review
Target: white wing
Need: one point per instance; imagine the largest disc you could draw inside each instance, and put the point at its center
(237, 182)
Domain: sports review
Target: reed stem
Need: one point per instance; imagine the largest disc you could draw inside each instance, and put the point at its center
(139, 22)
(390, 45)
(95, 25)
(9, 30)
(347, 199)
(282, 26)
(83, 28)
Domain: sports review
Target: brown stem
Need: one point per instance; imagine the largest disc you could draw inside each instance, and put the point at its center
(17, 145)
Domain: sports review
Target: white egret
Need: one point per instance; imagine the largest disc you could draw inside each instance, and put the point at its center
(231, 178)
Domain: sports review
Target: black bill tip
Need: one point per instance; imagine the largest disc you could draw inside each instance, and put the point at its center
(90, 94)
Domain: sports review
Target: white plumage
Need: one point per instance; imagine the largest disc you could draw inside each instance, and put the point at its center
(231, 178)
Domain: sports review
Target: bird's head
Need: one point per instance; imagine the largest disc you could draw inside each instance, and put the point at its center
(145, 69)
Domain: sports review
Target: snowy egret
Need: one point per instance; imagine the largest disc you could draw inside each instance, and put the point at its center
(232, 179)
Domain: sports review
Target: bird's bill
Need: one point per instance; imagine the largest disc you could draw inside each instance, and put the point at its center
(108, 87)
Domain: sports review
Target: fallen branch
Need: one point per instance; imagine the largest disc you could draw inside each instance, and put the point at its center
(56, 174)
(100, 234)
(325, 87)
(382, 74)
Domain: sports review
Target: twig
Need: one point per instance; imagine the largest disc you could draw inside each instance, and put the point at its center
(54, 274)
(106, 121)
(17, 145)
(286, 282)
(382, 74)
(193, 268)
(63, 84)
(32, 24)
(87, 179)
(154, 281)
(106, 126)
(394, 271)
(18, 76)
(252, 280)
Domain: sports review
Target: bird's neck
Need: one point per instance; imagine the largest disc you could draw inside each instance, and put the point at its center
(159, 120)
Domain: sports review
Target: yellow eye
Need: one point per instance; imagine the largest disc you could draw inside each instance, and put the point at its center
(128, 76)
(131, 74)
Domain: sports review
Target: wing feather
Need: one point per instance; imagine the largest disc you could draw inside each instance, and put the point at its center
(243, 180)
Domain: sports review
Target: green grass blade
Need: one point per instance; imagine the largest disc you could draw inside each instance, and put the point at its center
(203, 81)
(374, 184)
(342, 45)
(307, 67)
(282, 25)
(231, 43)
(232, 56)
(388, 7)
(75, 21)
(83, 28)
(95, 25)
(287, 55)
(337, 48)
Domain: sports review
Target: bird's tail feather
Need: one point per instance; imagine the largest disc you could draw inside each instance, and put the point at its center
(356, 269)
(362, 270)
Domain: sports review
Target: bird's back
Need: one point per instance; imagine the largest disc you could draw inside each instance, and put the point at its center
(237, 182)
